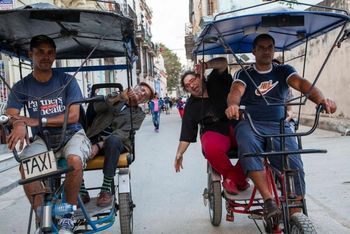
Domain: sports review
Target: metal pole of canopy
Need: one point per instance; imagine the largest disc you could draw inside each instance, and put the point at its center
(130, 84)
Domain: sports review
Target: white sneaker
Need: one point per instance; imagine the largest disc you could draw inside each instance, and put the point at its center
(66, 226)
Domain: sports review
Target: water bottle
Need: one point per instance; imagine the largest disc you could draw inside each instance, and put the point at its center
(62, 209)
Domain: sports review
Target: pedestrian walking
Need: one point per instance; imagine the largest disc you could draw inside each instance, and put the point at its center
(155, 106)
(180, 105)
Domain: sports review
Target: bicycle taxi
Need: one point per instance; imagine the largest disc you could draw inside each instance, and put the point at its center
(85, 35)
(233, 33)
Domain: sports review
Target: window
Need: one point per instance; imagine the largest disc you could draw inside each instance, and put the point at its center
(210, 7)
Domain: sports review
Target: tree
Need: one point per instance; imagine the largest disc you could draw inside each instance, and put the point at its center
(172, 67)
(290, 4)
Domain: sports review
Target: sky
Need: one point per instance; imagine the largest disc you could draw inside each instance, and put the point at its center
(168, 24)
(169, 21)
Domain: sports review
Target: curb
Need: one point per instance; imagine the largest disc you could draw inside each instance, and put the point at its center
(9, 180)
(330, 124)
(8, 188)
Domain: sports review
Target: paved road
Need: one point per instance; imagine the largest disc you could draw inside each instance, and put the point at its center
(167, 202)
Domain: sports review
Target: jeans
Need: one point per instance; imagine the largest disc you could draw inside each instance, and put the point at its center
(112, 150)
(156, 119)
(249, 142)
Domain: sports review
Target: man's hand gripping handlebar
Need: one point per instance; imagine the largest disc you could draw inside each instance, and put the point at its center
(234, 111)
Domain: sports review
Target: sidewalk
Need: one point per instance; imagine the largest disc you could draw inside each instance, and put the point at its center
(339, 125)
(10, 177)
(9, 180)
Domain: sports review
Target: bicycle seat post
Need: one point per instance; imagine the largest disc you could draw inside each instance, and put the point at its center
(289, 173)
(46, 219)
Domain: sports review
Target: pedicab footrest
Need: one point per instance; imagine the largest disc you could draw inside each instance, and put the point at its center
(243, 195)
(272, 153)
(98, 161)
(92, 209)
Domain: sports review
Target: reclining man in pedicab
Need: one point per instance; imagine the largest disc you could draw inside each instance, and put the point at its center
(207, 109)
(273, 80)
(42, 81)
(110, 133)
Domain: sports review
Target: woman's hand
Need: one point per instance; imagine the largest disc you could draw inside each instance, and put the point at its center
(178, 162)
(200, 66)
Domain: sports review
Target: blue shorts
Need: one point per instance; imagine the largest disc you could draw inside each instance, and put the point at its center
(249, 142)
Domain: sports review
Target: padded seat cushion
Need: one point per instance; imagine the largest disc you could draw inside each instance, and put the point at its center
(97, 162)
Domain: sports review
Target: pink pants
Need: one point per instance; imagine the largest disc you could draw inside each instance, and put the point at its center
(215, 147)
(181, 112)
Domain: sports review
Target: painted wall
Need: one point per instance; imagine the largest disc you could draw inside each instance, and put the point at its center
(335, 79)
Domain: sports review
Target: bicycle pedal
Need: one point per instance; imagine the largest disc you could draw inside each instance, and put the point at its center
(255, 217)
(230, 217)
(205, 197)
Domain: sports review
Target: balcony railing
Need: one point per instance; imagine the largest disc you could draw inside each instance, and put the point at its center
(140, 32)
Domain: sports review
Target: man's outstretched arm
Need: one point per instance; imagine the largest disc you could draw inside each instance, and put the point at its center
(316, 96)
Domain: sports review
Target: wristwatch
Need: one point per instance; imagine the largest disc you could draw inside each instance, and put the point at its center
(44, 121)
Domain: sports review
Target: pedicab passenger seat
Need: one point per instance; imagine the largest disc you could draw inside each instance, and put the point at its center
(233, 153)
(125, 159)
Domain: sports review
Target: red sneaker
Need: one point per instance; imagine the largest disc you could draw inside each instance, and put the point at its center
(230, 186)
(243, 186)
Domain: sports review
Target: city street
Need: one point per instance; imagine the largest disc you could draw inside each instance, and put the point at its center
(169, 202)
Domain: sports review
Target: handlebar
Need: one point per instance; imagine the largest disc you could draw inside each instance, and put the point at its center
(4, 121)
(319, 109)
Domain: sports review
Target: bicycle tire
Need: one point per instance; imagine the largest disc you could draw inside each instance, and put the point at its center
(301, 224)
(215, 202)
(125, 213)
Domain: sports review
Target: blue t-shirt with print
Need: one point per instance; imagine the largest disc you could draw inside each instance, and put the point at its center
(272, 85)
(53, 96)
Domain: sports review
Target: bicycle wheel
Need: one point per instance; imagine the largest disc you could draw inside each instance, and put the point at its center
(125, 213)
(215, 201)
(301, 224)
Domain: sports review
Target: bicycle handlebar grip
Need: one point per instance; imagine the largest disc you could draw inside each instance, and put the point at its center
(15, 154)
(320, 107)
(4, 119)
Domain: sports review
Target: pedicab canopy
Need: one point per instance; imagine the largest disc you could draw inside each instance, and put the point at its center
(290, 28)
(75, 31)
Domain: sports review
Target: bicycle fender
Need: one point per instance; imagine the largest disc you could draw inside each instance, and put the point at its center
(124, 183)
(214, 175)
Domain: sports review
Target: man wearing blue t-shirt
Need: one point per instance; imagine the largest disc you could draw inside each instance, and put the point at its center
(272, 81)
(46, 94)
